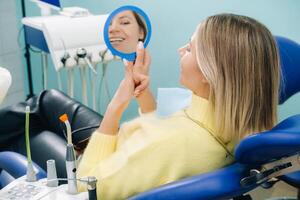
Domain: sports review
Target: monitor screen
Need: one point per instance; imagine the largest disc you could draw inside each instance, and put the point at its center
(54, 3)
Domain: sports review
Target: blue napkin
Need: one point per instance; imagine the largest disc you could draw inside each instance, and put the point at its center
(171, 100)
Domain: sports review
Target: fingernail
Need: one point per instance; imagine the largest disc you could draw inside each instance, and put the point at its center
(125, 62)
(140, 45)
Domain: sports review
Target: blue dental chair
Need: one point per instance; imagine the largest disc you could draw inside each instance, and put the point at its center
(259, 157)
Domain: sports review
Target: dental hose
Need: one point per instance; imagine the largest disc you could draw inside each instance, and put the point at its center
(84, 86)
(71, 82)
(93, 89)
(30, 173)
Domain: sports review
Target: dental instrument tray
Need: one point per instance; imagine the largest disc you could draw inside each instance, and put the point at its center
(20, 189)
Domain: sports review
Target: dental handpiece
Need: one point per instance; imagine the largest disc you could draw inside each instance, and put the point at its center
(71, 169)
(81, 53)
(92, 181)
(70, 158)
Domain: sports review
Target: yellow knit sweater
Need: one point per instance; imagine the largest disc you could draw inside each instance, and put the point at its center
(148, 152)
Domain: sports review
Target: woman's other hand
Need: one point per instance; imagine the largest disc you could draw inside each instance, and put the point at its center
(126, 88)
(141, 69)
(120, 101)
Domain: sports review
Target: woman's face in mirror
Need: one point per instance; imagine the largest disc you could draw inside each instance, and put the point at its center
(125, 32)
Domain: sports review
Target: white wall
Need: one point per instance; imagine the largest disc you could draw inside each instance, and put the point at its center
(10, 52)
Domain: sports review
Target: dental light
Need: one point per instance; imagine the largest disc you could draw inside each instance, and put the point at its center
(5, 82)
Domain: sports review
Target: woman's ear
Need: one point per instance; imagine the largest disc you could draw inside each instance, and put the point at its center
(141, 35)
(203, 80)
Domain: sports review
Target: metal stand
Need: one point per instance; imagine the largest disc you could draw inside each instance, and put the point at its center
(27, 57)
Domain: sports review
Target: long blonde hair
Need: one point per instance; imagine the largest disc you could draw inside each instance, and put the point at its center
(239, 58)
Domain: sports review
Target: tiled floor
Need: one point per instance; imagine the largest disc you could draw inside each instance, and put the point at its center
(280, 189)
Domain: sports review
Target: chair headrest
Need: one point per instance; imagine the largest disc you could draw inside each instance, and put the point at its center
(282, 140)
(290, 64)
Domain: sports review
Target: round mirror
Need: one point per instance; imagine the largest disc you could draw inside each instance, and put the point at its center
(124, 28)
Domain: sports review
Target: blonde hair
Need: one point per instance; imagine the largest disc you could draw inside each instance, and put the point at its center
(239, 58)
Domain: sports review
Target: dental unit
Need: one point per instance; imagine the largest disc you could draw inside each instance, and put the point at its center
(74, 43)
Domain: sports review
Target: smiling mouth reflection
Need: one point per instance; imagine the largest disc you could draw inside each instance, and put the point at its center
(116, 40)
(121, 45)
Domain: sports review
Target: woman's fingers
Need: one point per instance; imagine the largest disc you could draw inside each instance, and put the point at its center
(143, 84)
(140, 51)
(128, 68)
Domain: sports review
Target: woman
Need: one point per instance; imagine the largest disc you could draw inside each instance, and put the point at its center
(126, 30)
(231, 66)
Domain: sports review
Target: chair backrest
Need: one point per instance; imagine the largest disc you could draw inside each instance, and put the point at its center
(290, 64)
(79, 115)
(284, 138)
(257, 149)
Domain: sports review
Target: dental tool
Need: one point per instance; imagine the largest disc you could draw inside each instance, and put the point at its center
(59, 82)
(69, 63)
(92, 77)
(91, 182)
(82, 53)
(63, 59)
(70, 158)
(91, 186)
(30, 173)
(106, 56)
(106, 81)
(71, 82)
(84, 86)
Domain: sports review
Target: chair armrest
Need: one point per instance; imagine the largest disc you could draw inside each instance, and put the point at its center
(220, 184)
(16, 164)
(292, 179)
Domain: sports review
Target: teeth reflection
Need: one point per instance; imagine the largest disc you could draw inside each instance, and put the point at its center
(114, 40)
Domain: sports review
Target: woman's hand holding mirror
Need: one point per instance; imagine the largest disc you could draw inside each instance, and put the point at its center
(141, 69)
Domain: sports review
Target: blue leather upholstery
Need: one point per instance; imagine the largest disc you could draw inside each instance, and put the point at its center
(220, 184)
(15, 166)
(292, 179)
(282, 140)
(46, 133)
(290, 61)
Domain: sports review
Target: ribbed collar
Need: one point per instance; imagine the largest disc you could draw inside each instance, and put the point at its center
(201, 111)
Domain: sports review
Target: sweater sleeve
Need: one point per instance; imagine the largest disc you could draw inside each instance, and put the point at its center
(100, 147)
(135, 168)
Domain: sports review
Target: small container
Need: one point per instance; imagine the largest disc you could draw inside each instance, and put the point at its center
(52, 180)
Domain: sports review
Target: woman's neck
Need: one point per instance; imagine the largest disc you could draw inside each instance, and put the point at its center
(202, 92)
